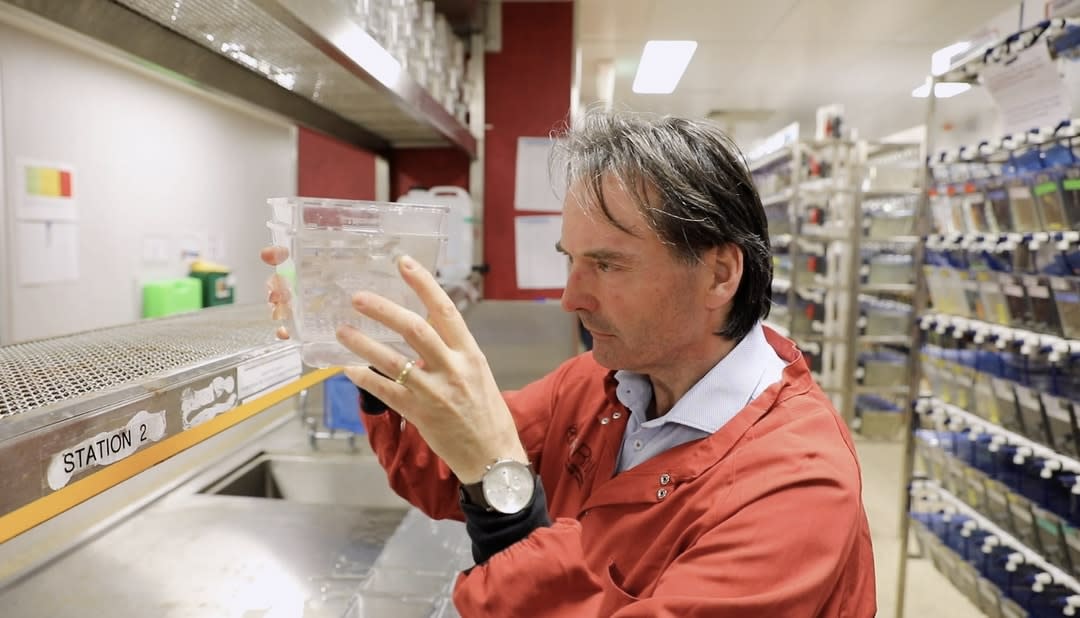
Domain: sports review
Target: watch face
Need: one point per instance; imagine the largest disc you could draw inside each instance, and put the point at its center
(508, 486)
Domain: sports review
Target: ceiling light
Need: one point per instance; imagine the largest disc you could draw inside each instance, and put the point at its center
(942, 90)
(942, 59)
(662, 66)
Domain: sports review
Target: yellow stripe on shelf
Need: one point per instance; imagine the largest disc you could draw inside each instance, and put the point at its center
(22, 519)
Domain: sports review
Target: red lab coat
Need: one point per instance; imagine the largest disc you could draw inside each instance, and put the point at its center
(763, 518)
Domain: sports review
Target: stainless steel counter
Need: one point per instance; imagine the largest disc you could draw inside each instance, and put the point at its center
(256, 521)
(273, 528)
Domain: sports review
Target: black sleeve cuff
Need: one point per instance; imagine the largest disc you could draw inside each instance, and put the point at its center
(491, 531)
(370, 404)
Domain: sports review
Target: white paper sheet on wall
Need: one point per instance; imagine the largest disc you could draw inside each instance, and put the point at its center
(46, 252)
(1029, 91)
(538, 185)
(44, 190)
(539, 265)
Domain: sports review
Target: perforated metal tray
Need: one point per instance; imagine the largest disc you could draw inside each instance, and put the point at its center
(114, 391)
(40, 374)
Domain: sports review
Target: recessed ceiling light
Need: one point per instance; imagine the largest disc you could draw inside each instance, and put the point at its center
(662, 66)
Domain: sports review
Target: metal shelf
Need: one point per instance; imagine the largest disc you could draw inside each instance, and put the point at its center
(121, 398)
(941, 322)
(976, 61)
(893, 240)
(888, 288)
(881, 390)
(885, 340)
(771, 159)
(897, 192)
(1030, 555)
(308, 61)
(778, 198)
(815, 231)
(971, 420)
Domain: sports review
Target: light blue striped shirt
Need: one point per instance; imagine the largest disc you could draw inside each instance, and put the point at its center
(750, 368)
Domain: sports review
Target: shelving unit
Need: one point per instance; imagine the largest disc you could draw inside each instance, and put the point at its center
(992, 424)
(309, 61)
(81, 413)
(816, 196)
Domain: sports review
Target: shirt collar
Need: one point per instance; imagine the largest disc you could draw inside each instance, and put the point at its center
(717, 397)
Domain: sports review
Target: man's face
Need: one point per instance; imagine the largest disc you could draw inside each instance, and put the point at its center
(646, 309)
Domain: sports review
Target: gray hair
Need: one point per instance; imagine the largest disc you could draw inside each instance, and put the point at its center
(692, 185)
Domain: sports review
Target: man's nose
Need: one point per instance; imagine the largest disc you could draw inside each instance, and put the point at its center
(577, 295)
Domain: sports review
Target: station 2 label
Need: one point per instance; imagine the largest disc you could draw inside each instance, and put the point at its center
(106, 447)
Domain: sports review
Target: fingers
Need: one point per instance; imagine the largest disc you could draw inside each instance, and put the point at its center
(443, 314)
(384, 360)
(274, 255)
(417, 333)
(278, 290)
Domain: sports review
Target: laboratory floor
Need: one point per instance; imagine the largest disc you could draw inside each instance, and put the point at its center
(928, 593)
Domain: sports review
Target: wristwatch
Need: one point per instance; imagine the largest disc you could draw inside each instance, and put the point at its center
(506, 487)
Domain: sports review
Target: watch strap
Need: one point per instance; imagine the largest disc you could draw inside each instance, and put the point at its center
(492, 532)
(473, 494)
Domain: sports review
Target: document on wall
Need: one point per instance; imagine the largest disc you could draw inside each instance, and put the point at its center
(1029, 91)
(44, 191)
(538, 184)
(46, 252)
(539, 265)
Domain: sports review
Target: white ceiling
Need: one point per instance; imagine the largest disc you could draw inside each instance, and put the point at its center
(781, 59)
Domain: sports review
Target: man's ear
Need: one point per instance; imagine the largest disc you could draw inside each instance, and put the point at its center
(726, 262)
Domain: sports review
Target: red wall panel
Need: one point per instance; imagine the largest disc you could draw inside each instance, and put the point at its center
(331, 168)
(427, 167)
(527, 87)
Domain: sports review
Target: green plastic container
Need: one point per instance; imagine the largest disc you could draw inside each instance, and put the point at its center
(217, 288)
(169, 296)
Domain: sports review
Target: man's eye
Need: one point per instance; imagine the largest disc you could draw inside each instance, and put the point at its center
(603, 267)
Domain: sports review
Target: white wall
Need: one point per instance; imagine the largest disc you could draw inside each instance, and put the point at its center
(153, 159)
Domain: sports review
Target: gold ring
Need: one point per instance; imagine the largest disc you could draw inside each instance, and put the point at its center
(404, 375)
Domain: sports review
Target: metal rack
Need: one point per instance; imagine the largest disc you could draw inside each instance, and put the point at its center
(969, 70)
(79, 414)
(308, 61)
(834, 335)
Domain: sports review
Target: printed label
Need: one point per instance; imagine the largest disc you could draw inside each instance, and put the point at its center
(1021, 511)
(1044, 188)
(106, 447)
(1010, 609)
(1027, 398)
(1019, 193)
(1004, 389)
(1072, 538)
(1055, 409)
(198, 405)
(257, 377)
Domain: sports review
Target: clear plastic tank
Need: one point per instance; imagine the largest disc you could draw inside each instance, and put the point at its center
(340, 247)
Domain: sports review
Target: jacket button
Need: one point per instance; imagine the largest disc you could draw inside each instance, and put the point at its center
(665, 478)
(616, 415)
(661, 493)
(605, 421)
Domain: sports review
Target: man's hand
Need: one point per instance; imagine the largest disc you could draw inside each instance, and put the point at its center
(448, 393)
(278, 294)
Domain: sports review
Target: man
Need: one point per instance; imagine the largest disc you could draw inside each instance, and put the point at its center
(687, 466)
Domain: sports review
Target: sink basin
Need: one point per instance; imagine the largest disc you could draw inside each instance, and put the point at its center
(311, 479)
